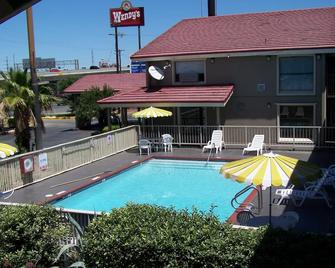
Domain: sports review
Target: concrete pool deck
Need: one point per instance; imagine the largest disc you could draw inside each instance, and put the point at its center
(314, 215)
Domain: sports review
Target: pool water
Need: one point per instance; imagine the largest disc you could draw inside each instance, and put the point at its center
(168, 183)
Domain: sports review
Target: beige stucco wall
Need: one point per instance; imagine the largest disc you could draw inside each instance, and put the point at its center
(249, 106)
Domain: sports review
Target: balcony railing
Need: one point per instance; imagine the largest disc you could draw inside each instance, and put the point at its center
(295, 137)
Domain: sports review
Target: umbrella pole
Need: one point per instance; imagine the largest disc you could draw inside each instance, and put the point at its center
(270, 207)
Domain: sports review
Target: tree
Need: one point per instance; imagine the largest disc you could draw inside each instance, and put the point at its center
(87, 107)
(17, 98)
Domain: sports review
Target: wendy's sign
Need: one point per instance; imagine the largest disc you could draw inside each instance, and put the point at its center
(126, 15)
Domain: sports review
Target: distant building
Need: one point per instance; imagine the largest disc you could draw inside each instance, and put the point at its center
(47, 63)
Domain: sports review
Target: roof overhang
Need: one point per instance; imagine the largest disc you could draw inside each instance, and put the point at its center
(10, 8)
(218, 96)
(206, 55)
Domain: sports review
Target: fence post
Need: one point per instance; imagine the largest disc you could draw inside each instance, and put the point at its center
(201, 131)
(269, 138)
(294, 138)
(179, 136)
(319, 137)
(246, 135)
(91, 149)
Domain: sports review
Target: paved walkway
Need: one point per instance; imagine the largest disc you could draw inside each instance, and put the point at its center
(314, 215)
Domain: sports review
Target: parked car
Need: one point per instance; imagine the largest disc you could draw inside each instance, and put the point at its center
(93, 67)
(54, 70)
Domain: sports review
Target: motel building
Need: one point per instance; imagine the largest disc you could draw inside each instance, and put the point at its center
(263, 73)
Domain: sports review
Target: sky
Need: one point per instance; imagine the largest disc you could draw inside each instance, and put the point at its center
(72, 29)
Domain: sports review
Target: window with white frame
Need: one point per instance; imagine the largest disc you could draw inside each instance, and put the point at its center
(190, 71)
(296, 74)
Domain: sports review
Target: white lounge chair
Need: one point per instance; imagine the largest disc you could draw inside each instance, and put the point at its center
(167, 142)
(257, 145)
(144, 145)
(215, 142)
(312, 191)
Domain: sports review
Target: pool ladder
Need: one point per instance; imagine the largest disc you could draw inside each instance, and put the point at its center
(240, 205)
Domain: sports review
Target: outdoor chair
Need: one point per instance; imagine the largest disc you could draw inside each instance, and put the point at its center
(167, 142)
(312, 190)
(257, 145)
(215, 142)
(144, 145)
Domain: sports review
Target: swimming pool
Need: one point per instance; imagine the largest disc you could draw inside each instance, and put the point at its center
(168, 183)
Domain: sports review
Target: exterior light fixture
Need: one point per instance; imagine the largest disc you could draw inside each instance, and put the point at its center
(268, 58)
(212, 60)
(268, 105)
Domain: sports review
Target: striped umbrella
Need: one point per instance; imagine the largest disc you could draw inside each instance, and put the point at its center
(7, 150)
(270, 170)
(152, 112)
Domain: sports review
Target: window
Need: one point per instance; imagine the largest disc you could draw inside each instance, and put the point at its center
(294, 122)
(296, 115)
(296, 74)
(190, 71)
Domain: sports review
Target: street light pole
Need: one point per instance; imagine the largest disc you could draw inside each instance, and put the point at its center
(34, 81)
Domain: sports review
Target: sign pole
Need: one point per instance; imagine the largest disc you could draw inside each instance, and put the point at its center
(139, 37)
(116, 50)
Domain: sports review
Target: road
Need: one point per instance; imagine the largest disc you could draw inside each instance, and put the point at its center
(57, 132)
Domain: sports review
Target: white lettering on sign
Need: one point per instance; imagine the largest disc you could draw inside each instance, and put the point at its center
(119, 17)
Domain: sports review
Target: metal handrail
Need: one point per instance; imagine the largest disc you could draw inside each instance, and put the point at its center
(244, 190)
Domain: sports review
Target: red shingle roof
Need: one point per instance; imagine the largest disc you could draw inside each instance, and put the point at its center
(167, 95)
(296, 29)
(121, 82)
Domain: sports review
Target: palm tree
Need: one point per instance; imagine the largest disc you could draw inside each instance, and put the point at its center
(17, 97)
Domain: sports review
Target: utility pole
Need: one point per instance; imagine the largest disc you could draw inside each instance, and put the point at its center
(116, 34)
(7, 64)
(120, 69)
(34, 81)
(14, 62)
(92, 57)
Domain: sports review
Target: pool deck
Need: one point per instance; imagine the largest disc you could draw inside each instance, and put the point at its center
(314, 215)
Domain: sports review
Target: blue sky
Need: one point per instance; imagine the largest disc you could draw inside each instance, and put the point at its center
(70, 29)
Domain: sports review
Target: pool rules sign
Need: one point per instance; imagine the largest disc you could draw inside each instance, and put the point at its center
(126, 15)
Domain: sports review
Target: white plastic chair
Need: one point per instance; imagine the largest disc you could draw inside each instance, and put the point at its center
(257, 145)
(167, 142)
(144, 145)
(312, 191)
(215, 142)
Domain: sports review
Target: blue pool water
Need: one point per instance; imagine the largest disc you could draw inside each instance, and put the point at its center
(168, 183)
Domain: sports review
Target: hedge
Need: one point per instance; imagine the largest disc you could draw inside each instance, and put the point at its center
(152, 236)
(30, 234)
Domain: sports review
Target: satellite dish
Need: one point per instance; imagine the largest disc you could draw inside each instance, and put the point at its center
(156, 72)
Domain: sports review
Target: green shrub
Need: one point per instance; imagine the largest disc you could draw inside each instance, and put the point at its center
(151, 236)
(30, 233)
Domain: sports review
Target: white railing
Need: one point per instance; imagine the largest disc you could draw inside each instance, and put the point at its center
(294, 137)
(67, 156)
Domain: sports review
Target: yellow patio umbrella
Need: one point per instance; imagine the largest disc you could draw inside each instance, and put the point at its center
(270, 170)
(7, 150)
(152, 112)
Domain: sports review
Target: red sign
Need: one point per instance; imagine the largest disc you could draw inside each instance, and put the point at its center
(133, 17)
(27, 164)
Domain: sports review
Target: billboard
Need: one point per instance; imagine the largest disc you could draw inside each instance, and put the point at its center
(126, 15)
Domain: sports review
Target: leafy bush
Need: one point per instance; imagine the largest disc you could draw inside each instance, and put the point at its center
(151, 236)
(86, 107)
(30, 233)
